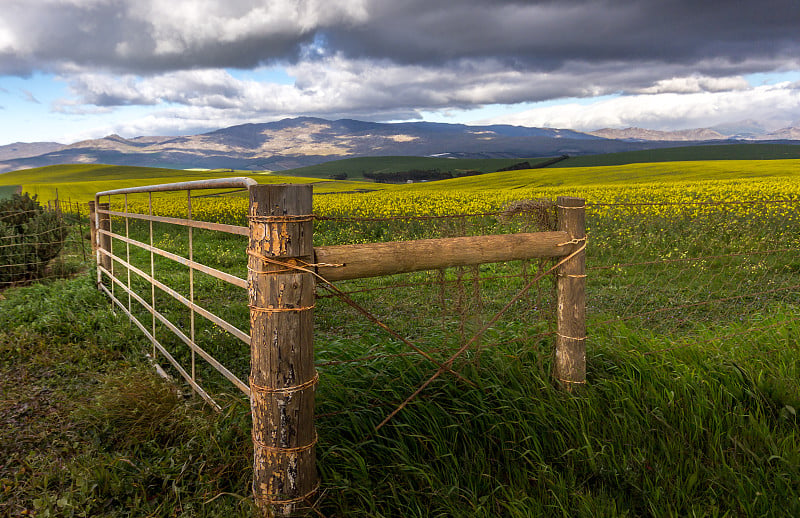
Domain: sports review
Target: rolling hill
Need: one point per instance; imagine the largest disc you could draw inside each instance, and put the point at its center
(305, 141)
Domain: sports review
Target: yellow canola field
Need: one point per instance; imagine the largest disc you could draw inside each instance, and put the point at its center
(672, 189)
(656, 199)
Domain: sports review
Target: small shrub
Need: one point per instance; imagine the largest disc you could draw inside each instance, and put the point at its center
(30, 237)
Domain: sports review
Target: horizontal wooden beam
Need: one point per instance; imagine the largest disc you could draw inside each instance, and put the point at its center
(337, 263)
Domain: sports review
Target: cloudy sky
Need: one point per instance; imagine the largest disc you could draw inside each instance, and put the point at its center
(73, 69)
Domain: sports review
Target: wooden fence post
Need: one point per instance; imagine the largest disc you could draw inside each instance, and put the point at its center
(570, 351)
(282, 373)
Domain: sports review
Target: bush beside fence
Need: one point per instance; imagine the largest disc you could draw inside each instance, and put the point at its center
(40, 242)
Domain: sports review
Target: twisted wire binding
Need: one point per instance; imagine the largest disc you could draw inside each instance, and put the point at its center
(286, 390)
(480, 332)
(267, 500)
(571, 381)
(570, 337)
(303, 266)
(332, 287)
(276, 449)
(281, 219)
(272, 272)
(574, 241)
(257, 309)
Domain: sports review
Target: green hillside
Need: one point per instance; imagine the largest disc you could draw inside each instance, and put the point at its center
(80, 182)
(688, 153)
(7, 190)
(355, 168)
(622, 175)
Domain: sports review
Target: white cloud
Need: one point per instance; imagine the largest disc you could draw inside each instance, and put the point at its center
(694, 84)
(336, 83)
(8, 42)
(776, 105)
(336, 87)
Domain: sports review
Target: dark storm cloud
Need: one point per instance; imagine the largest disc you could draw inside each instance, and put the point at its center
(151, 36)
(545, 35)
(156, 36)
(396, 59)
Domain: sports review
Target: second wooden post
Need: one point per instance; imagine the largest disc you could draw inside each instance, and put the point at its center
(282, 373)
(570, 352)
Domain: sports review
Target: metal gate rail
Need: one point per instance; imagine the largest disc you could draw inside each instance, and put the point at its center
(108, 262)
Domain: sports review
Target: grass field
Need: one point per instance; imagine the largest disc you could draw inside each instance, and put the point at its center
(356, 167)
(689, 154)
(690, 409)
(80, 182)
(7, 190)
(598, 183)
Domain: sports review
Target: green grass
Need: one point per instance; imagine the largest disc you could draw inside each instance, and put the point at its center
(689, 154)
(7, 190)
(89, 429)
(622, 175)
(356, 167)
(80, 182)
(673, 422)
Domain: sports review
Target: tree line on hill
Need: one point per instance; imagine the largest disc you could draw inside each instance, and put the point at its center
(429, 175)
(417, 175)
(527, 165)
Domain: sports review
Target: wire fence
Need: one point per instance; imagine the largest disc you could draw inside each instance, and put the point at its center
(48, 242)
(702, 274)
(685, 274)
(431, 322)
(682, 270)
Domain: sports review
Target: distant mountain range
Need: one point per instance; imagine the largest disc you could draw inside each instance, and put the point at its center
(303, 141)
(744, 130)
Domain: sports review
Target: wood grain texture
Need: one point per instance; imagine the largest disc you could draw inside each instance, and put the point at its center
(282, 371)
(376, 259)
(570, 351)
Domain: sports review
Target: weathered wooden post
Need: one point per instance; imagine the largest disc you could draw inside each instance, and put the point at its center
(282, 374)
(570, 351)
